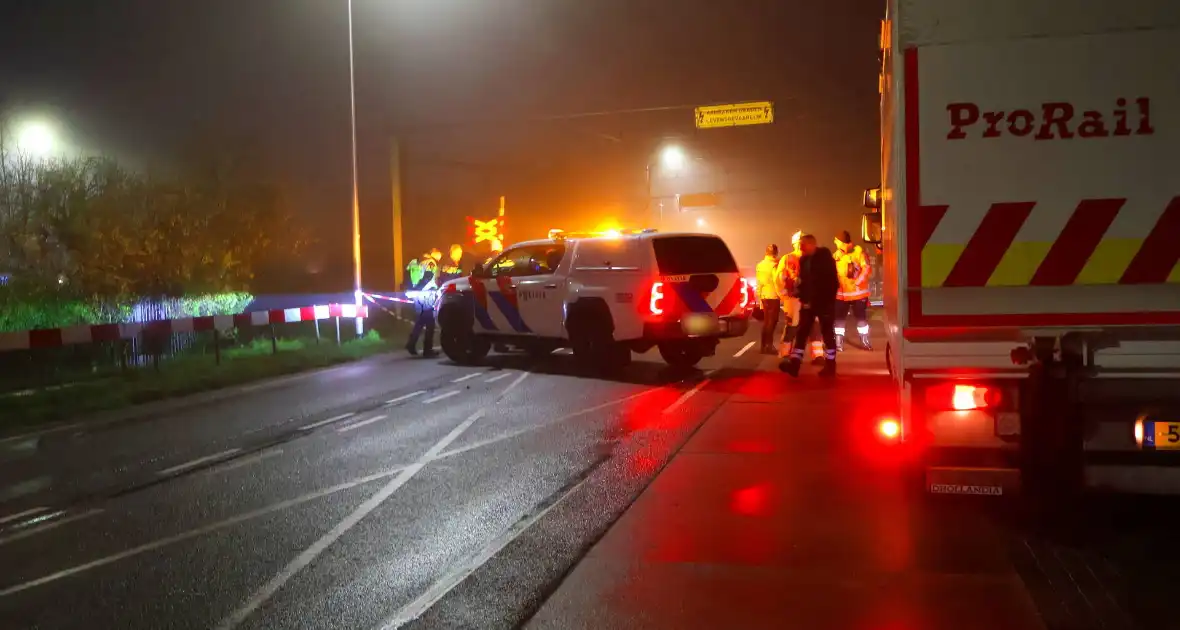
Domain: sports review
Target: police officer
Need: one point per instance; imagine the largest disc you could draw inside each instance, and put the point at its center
(852, 267)
(818, 285)
(425, 297)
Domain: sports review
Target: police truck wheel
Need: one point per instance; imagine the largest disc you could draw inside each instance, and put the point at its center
(593, 345)
(463, 346)
(681, 355)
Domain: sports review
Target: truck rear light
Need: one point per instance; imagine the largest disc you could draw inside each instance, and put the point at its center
(450, 288)
(656, 303)
(962, 397)
(889, 429)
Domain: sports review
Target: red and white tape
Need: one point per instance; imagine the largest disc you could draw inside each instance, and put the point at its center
(55, 337)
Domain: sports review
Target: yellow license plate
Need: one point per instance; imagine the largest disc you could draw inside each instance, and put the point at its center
(1161, 436)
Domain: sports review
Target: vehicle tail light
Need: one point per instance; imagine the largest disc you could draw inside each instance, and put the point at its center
(450, 288)
(656, 303)
(889, 429)
(962, 397)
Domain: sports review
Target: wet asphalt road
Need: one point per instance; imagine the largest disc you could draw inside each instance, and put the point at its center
(402, 492)
(354, 497)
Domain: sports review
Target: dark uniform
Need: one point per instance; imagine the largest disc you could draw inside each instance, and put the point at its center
(818, 285)
(424, 302)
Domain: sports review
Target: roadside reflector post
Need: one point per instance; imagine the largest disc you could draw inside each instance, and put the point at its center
(216, 347)
(337, 330)
(274, 341)
(317, 330)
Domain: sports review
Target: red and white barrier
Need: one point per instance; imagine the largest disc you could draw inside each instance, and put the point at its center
(55, 337)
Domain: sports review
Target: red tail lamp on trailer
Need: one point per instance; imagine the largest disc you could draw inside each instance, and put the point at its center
(962, 397)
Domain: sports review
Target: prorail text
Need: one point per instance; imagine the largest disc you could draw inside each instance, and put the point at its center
(1054, 121)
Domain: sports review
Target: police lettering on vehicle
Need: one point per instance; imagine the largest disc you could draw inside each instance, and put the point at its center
(531, 295)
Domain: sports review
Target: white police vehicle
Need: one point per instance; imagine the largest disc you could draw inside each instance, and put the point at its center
(604, 295)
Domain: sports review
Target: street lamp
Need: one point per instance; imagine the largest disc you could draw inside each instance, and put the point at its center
(672, 160)
(356, 196)
(36, 138)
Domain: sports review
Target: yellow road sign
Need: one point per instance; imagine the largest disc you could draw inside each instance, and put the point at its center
(737, 114)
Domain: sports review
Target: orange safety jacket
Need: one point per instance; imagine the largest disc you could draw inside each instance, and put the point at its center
(852, 267)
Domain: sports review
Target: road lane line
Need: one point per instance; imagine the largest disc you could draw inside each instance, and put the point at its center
(364, 509)
(519, 432)
(198, 461)
(468, 377)
(316, 425)
(499, 378)
(20, 515)
(201, 531)
(513, 384)
(405, 397)
(461, 572)
(745, 349)
(686, 395)
(440, 397)
(44, 527)
(245, 461)
(362, 423)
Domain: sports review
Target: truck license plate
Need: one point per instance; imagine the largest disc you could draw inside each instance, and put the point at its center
(1161, 436)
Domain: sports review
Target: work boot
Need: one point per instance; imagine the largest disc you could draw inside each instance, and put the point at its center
(865, 343)
(412, 349)
(829, 369)
(839, 343)
(790, 366)
(429, 353)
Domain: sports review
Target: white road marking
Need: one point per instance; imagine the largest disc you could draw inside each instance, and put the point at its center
(513, 384)
(316, 425)
(499, 378)
(245, 461)
(440, 397)
(44, 527)
(20, 515)
(461, 572)
(686, 395)
(198, 461)
(745, 349)
(57, 429)
(468, 377)
(364, 509)
(536, 427)
(200, 531)
(362, 423)
(405, 397)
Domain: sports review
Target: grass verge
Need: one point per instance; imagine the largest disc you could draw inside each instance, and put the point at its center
(187, 375)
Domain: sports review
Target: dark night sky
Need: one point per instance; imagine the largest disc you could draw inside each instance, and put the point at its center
(462, 82)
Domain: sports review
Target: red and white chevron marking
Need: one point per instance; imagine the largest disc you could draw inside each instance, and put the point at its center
(55, 337)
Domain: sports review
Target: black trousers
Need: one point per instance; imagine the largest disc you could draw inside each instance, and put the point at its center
(423, 323)
(807, 319)
(860, 311)
(770, 313)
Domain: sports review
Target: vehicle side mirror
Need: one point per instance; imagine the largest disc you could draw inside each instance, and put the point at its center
(872, 198)
(870, 227)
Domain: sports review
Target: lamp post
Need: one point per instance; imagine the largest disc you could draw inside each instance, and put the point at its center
(672, 159)
(356, 198)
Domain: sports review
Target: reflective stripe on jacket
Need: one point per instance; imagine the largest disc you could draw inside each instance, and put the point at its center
(852, 267)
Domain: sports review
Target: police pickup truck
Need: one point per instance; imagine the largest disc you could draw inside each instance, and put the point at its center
(605, 295)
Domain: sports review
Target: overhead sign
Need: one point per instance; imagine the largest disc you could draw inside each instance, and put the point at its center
(735, 115)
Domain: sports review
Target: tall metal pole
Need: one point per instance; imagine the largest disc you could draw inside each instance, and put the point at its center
(395, 178)
(356, 195)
